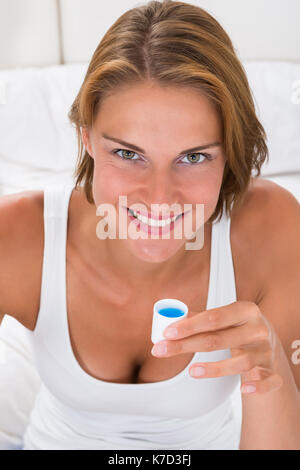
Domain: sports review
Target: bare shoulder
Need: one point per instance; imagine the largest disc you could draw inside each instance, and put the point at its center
(267, 206)
(265, 230)
(21, 252)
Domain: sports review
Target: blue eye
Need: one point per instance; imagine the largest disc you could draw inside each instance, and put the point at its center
(127, 151)
(193, 162)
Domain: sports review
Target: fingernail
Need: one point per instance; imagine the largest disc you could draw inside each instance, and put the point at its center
(197, 371)
(159, 349)
(171, 333)
(248, 388)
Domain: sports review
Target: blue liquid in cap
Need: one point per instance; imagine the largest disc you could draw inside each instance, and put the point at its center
(171, 312)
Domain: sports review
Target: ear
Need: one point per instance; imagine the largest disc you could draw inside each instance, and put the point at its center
(86, 140)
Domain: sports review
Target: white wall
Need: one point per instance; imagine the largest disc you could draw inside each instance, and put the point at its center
(44, 32)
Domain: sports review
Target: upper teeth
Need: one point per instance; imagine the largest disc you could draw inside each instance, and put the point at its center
(153, 222)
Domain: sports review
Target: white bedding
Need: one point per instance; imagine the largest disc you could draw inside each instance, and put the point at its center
(38, 147)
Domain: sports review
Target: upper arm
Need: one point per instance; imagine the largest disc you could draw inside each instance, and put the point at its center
(278, 258)
(20, 235)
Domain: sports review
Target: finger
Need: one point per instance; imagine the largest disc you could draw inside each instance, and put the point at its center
(257, 373)
(268, 384)
(240, 364)
(241, 336)
(234, 314)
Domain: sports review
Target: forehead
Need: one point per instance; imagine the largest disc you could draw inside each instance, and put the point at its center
(151, 106)
(147, 94)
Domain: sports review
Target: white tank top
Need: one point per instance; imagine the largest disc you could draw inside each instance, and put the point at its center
(74, 410)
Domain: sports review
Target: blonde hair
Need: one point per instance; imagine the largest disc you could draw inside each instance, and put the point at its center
(176, 44)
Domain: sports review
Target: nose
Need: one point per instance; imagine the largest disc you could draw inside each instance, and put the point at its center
(160, 188)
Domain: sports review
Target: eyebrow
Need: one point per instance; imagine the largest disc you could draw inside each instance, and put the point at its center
(138, 149)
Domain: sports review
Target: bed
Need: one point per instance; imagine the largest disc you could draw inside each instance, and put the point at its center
(48, 47)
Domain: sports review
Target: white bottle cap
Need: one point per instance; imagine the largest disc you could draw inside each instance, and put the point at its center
(161, 319)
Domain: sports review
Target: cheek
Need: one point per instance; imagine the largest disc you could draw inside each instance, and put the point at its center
(109, 182)
(204, 189)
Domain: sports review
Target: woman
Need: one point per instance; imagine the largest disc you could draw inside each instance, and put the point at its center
(164, 78)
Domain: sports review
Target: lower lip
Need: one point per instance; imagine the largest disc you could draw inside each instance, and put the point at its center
(154, 230)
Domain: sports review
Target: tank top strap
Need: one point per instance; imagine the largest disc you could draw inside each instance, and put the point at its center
(53, 282)
(223, 288)
(56, 201)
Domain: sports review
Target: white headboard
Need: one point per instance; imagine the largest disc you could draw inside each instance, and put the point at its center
(48, 32)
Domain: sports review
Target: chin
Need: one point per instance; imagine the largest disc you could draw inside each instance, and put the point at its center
(154, 251)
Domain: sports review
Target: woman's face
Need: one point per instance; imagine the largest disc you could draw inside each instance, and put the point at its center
(157, 124)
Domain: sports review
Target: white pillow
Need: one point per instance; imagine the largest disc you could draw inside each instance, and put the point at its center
(38, 144)
(276, 90)
(19, 383)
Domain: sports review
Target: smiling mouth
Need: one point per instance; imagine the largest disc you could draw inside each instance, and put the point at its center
(153, 222)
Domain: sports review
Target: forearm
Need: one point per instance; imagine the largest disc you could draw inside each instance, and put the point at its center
(272, 420)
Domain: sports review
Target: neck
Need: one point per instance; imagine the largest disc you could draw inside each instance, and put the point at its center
(133, 271)
(142, 272)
